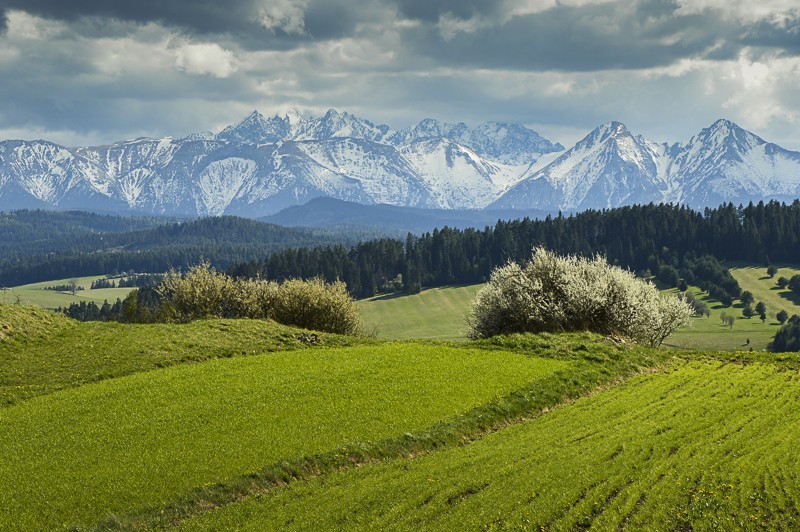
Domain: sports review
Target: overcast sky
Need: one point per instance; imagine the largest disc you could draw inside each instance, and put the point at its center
(84, 72)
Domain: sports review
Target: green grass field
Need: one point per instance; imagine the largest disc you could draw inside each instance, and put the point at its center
(764, 288)
(43, 352)
(248, 424)
(35, 294)
(135, 442)
(438, 313)
(701, 445)
(712, 333)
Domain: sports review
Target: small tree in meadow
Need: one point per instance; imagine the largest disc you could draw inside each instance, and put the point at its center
(782, 282)
(747, 298)
(782, 316)
(772, 271)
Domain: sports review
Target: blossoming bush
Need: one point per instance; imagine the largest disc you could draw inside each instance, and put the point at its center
(552, 293)
(203, 292)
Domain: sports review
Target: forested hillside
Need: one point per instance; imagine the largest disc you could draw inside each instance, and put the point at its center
(669, 241)
(40, 245)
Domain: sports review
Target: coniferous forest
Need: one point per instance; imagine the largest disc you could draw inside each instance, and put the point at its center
(668, 241)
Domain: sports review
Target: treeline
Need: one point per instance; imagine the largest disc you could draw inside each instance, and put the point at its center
(37, 232)
(222, 240)
(649, 239)
(131, 280)
(64, 288)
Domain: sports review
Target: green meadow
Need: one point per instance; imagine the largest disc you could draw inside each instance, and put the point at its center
(37, 294)
(138, 441)
(701, 444)
(438, 313)
(247, 424)
(43, 352)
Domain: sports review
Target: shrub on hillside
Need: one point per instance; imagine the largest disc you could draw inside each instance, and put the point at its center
(318, 305)
(552, 293)
(205, 293)
(200, 293)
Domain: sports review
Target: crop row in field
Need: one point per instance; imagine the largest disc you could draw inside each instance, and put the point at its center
(702, 445)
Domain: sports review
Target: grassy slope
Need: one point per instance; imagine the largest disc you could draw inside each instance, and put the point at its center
(711, 333)
(703, 445)
(441, 313)
(433, 313)
(146, 439)
(35, 294)
(44, 352)
(764, 288)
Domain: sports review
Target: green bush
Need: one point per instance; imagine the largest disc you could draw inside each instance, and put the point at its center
(318, 305)
(205, 293)
(200, 293)
(552, 293)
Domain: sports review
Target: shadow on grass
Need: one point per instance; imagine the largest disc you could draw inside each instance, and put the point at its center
(790, 296)
(393, 295)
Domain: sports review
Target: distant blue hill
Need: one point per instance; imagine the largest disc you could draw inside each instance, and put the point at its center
(339, 215)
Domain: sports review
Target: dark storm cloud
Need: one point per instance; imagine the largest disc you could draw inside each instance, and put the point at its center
(594, 37)
(431, 10)
(768, 35)
(235, 20)
(589, 37)
(199, 15)
(109, 69)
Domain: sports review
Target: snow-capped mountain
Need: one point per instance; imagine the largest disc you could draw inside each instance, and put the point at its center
(262, 165)
(725, 162)
(612, 167)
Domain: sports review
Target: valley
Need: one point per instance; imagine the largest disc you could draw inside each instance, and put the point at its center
(399, 265)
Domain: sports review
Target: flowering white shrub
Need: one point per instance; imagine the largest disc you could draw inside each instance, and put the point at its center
(553, 293)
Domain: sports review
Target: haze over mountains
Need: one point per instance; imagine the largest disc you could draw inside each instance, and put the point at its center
(263, 165)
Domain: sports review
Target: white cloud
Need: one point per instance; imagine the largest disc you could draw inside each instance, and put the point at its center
(23, 27)
(286, 15)
(205, 59)
(777, 12)
(758, 89)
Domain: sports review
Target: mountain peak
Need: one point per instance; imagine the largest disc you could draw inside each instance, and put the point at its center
(726, 135)
(614, 128)
(605, 132)
(254, 116)
(255, 129)
(723, 123)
